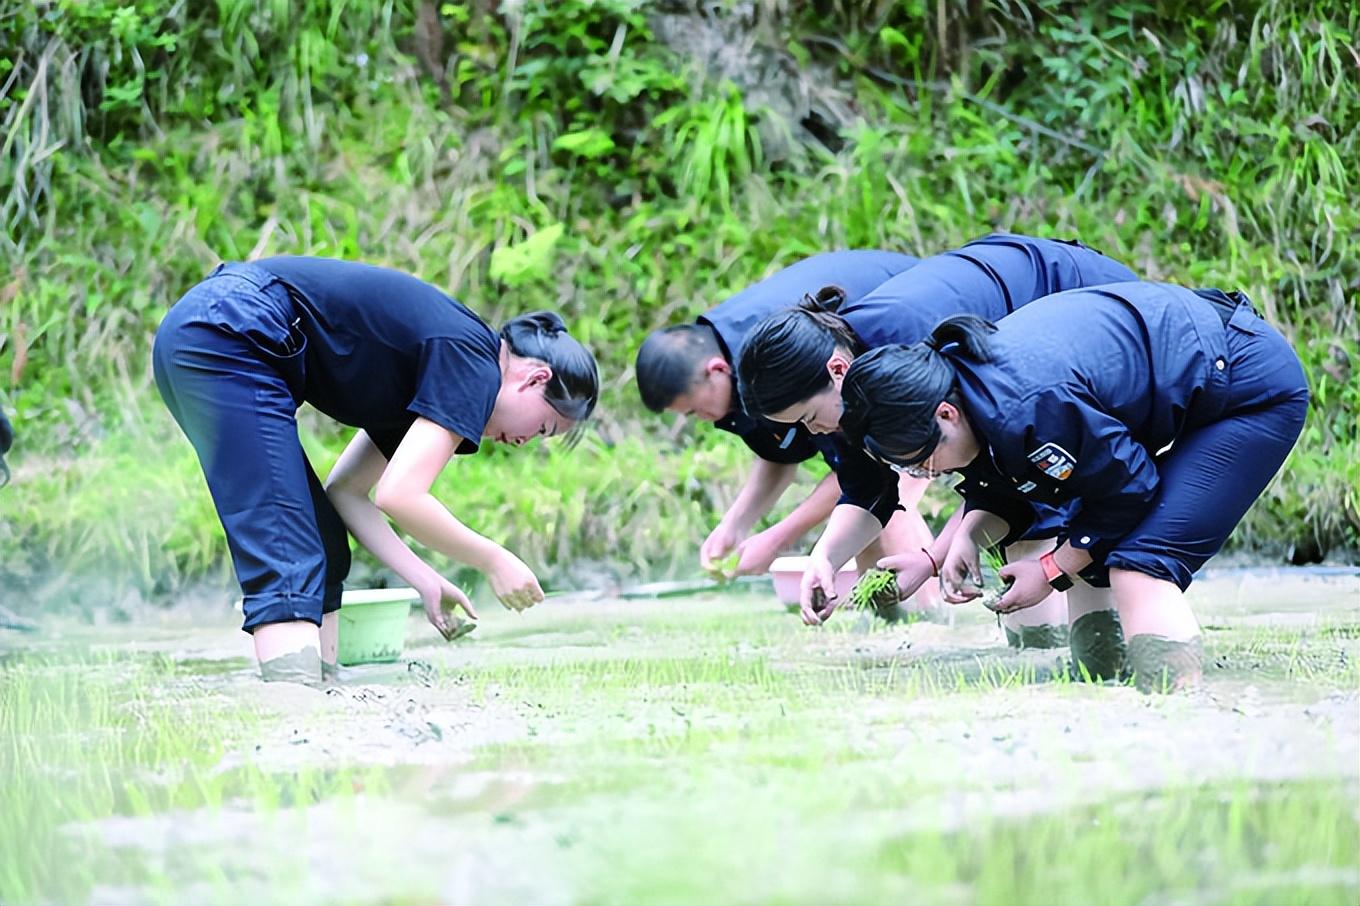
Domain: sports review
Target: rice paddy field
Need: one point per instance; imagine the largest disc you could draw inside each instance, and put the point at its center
(697, 749)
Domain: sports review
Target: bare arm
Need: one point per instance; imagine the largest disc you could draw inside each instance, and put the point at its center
(1071, 560)
(758, 552)
(758, 495)
(348, 485)
(764, 486)
(847, 531)
(813, 511)
(983, 528)
(403, 493)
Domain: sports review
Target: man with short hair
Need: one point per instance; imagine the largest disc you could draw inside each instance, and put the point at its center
(690, 369)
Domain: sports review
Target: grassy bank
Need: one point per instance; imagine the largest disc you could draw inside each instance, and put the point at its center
(630, 164)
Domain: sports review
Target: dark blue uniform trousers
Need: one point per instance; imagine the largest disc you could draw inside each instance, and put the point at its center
(228, 361)
(1213, 473)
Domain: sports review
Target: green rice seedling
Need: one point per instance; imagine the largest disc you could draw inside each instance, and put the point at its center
(725, 568)
(876, 590)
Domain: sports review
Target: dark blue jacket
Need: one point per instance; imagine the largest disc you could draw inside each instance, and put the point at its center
(1081, 392)
(989, 277)
(857, 272)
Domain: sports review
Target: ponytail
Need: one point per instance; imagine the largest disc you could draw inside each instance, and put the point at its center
(783, 359)
(890, 394)
(964, 336)
(575, 384)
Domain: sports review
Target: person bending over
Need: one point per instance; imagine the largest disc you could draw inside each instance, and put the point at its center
(793, 363)
(689, 369)
(1153, 415)
(421, 377)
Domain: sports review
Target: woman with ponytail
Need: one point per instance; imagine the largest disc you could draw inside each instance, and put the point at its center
(793, 363)
(1151, 414)
(688, 369)
(420, 376)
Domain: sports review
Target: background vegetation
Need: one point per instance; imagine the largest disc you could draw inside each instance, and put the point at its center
(629, 163)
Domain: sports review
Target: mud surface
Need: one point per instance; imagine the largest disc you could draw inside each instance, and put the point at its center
(582, 750)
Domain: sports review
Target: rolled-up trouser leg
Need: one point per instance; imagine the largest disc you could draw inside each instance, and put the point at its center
(1213, 474)
(240, 415)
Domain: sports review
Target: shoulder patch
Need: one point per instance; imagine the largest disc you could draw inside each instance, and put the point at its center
(1053, 461)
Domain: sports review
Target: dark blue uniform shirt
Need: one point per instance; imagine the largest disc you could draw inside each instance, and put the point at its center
(989, 277)
(1080, 394)
(382, 347)
(857, 272)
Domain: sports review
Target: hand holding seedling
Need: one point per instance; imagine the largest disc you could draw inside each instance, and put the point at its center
(513, 583)
(961, 572)
(876, 590)
(913, 570)
(1028, 586)
(725, 569)
(817, 594)
(756, 553)
(441, 600)
(720, 543)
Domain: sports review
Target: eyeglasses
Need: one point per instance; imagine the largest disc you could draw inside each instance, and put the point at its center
(918, 470)
(917, 465)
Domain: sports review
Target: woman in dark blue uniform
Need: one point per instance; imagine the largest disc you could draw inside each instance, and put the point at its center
(1157, 414)
(688, 368)
(793, 364)
(421, 376)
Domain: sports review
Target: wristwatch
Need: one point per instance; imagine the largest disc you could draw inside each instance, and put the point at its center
(1060, 580)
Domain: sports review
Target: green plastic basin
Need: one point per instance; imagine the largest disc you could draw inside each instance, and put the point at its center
(373, 624)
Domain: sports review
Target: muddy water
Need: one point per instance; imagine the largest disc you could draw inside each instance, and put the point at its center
(506, 767)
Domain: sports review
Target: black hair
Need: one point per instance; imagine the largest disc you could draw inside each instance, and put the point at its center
(668, 362)
(575, 384)
(783, 359)
(890, 394)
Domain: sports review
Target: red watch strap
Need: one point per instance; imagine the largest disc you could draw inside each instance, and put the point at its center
(1051, 568)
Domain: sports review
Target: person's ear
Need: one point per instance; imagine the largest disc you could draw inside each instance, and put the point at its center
(537, 376)
(947, 412)
(717, 365)
(836, 367)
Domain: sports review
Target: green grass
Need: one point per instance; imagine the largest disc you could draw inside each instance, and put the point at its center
(684, 750)
(87, 738)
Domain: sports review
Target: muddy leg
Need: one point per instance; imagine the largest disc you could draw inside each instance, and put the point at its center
(330, 645)
(1045, 624)
(289, 652)
(1095, 636)
(1166, 651)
